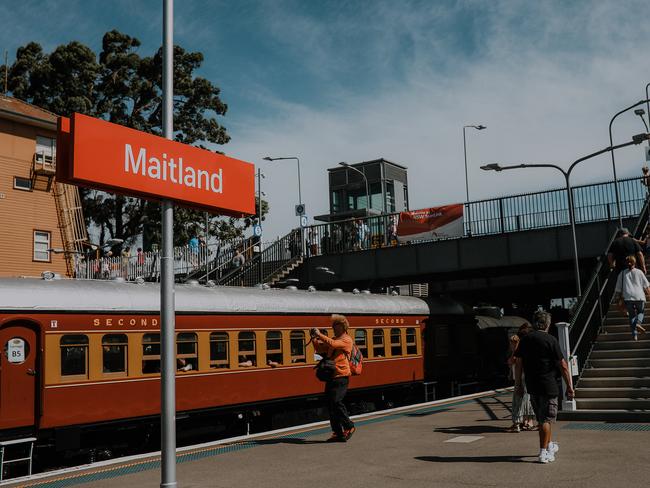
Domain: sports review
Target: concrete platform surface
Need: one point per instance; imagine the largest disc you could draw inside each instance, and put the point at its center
(455, 443)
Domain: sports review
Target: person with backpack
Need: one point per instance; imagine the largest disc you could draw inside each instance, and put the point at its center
(338, 349)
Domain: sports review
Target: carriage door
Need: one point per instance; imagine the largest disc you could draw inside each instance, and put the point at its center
(17, 376)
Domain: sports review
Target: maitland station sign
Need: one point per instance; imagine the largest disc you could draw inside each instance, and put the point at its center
(98, 154)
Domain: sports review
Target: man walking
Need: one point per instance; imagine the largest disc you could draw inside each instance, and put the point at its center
(622, 247)
(540, 357)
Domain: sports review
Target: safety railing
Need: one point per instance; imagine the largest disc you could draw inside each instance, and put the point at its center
(146, 265)
(266, 262)
(529, 211)
(590, 312)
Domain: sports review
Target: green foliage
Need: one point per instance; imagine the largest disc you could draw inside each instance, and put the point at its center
(125, 88)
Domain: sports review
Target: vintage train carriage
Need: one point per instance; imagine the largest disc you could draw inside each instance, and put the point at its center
(86, 353)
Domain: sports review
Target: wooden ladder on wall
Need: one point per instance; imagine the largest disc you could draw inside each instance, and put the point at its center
(71, 223)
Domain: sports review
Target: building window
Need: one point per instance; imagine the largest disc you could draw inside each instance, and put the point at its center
(274, 348)
(41, 246)
(114, 350)
(298, 347)
(395, 342)
(45, 150)
(187, 356)
(247, 354)
(378, 349)
(74, 355)
(219, 350)
(360, 339)
(24, 184)
(411, 342)
(150, 353)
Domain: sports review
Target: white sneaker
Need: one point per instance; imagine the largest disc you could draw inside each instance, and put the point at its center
(553, 447)
(546, 457)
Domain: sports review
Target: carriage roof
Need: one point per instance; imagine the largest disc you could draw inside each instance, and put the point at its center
(31, 294)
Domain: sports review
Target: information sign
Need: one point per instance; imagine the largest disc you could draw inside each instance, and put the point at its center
(98, 154)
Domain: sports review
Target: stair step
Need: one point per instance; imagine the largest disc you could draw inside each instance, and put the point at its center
(629, 392)
(619, 362)
(613, 382)
(619, 353)
(617, 329)
(613, 403)
(611, 372)
(623, 336)
(609, 415)
(620, 344)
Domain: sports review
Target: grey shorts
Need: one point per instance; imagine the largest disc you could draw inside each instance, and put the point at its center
(545, 408)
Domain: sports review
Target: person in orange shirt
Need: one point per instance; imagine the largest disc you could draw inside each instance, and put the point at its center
(338, 349)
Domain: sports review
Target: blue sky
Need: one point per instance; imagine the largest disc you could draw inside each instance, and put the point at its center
(332, 81)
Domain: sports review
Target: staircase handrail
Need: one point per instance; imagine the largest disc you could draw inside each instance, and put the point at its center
(597, 297)
(223, 255)
(273, 258)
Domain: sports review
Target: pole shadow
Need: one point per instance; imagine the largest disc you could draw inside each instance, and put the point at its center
(471, 429)
(477, 459)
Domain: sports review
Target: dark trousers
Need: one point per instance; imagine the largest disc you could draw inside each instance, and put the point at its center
(335, 391)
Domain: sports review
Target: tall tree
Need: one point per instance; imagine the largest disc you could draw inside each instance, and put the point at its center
(125, 88)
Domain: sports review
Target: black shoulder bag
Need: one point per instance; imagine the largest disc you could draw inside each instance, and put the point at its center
(325, 369)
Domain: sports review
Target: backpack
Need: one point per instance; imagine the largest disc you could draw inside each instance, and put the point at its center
(356, 361)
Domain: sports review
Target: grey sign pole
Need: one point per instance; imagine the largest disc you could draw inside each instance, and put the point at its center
(167, 306)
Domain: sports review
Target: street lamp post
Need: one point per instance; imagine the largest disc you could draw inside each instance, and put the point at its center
(349, 166)
(259, 220)
(302, 238)
(637, 139)
(469, 215)
(611, 144)
(268, 158)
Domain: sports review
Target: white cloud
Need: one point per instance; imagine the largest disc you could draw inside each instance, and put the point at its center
(546, 83)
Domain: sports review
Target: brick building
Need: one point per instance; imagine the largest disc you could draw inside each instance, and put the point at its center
(41, 222)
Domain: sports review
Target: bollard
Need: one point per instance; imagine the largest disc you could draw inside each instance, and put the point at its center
(563, 335)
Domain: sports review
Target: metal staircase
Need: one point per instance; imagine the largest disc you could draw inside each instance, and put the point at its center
(614, 370)
(615, 383)
(71, 223)
(269, 265)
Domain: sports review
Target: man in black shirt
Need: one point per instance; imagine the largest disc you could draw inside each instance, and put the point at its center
(540, 358)
(622, 247)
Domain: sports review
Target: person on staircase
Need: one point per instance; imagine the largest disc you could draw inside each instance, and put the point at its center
(624, 245)
(632, 289)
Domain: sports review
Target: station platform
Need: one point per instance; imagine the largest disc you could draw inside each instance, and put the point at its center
(457, 442)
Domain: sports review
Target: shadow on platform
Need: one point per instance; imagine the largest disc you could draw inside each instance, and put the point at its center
(285, 440)
(471, 429)
(478, 459)
(427, 413)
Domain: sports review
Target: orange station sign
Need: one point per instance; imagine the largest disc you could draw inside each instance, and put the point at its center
(98, 154)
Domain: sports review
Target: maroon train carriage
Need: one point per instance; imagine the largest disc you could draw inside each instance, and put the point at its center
(81, 359)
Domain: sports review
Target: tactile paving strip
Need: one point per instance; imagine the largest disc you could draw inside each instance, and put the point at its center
(601, 426)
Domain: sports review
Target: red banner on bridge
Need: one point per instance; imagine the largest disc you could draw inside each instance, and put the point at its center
(431, 223)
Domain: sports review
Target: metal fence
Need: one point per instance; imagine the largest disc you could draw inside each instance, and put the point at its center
(539, 210)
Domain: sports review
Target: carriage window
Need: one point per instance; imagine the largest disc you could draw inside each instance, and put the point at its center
(150, 353)
(395, 342)
(411, 343)
(298, 347)
(360, 339)
(187, 356)
(74, 355)
(247, 354)
(378, 349)
(274, 348)
(219, 349)
(114, 348)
